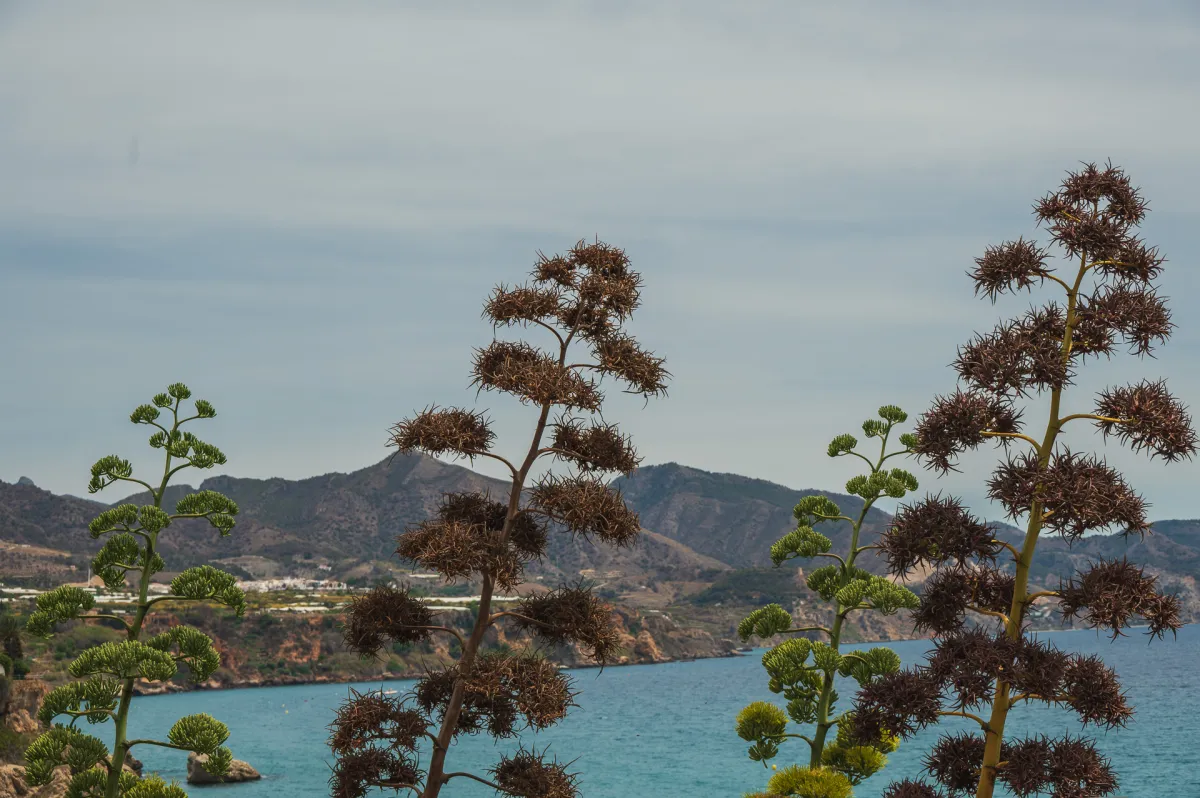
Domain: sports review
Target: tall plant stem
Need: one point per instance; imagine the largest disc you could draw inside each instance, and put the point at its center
(437, 763)
(112, 787)
(824, 722)
(994, 733)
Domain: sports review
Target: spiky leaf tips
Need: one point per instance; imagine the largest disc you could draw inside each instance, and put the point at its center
(580, 298)
(977, 598)
(801, 669)
(107, 672)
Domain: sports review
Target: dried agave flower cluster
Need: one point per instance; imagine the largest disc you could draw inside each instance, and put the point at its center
(980, 672)
(582, 297)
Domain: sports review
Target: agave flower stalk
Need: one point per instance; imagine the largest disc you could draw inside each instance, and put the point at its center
(583, 297)
(833, 768)
(986, 670)
(107, 672)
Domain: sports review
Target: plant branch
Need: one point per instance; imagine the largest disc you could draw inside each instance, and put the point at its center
(466, 775)
(1018, 435)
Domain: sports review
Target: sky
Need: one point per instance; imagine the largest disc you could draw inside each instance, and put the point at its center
(299, 208)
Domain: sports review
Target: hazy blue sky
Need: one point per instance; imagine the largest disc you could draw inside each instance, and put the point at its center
(297, 209)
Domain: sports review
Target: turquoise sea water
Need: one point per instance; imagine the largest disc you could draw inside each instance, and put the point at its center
(667, 730)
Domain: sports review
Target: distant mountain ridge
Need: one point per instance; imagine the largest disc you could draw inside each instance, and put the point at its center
(697, 523)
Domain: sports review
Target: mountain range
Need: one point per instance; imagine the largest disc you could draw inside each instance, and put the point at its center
(697, 526)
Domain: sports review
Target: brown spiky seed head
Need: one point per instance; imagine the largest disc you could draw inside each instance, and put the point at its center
(527, 773)
(1078, 769)
(533, 687)
(533, 376)
(372, 716)
(382, 615)
(1011, 266)
(621, 356)
(448, 431)
(571, 615)
(1147, 417)
(1111, 592)
(596, 448)
(955, 759)
(522, 304)
(587, 507)
(911, 788)
(1138, 314)
(935, 531)
(948, 594)
(357, 773)
(899, 703)
(1078, 493)
(1093, 691)
(1026, 768)
(956, 423)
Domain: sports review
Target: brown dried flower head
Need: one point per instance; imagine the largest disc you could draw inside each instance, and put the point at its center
(587, 507)
(1018, 356)
(911, 788)
(1011, 266)
(1148, 417)
(1111, 592)
(528, 774)
(522, 305)
(621, 356)
(373, 717)
(599, 447)
(450, 431)
(936, 530)
(571, 615)
(954, 761)
(385, 614)
(532, 376)
(899, 703)
(957, 422)
(1134, 312)
(357, 773)
(949, 593)
(1092, 689)
(1077, 493)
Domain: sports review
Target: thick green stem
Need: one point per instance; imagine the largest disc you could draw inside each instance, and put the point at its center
(994, 734)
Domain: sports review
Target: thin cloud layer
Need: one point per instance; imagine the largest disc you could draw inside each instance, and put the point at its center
(301, 206)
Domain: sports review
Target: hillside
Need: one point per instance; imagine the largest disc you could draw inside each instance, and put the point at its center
(701, 529)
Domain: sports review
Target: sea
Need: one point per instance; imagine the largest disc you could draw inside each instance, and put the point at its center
(668, 730)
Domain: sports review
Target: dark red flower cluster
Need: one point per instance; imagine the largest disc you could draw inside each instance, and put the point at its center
(951, 592)
(1135, 312)
(1146, 416)
(899, 703)
(1077, 493)
(954, 761)
(1011, 267)
(1070, 766)
(936, 531)
(1018, 356)
(957, 422)
(1111, 592)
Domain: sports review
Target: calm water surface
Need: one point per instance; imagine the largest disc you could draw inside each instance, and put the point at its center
(667, 730)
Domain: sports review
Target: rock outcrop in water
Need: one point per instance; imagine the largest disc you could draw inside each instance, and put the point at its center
(238, 771)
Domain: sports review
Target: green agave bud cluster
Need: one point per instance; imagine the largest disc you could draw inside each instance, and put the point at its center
(107, 672)
(803, 670)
